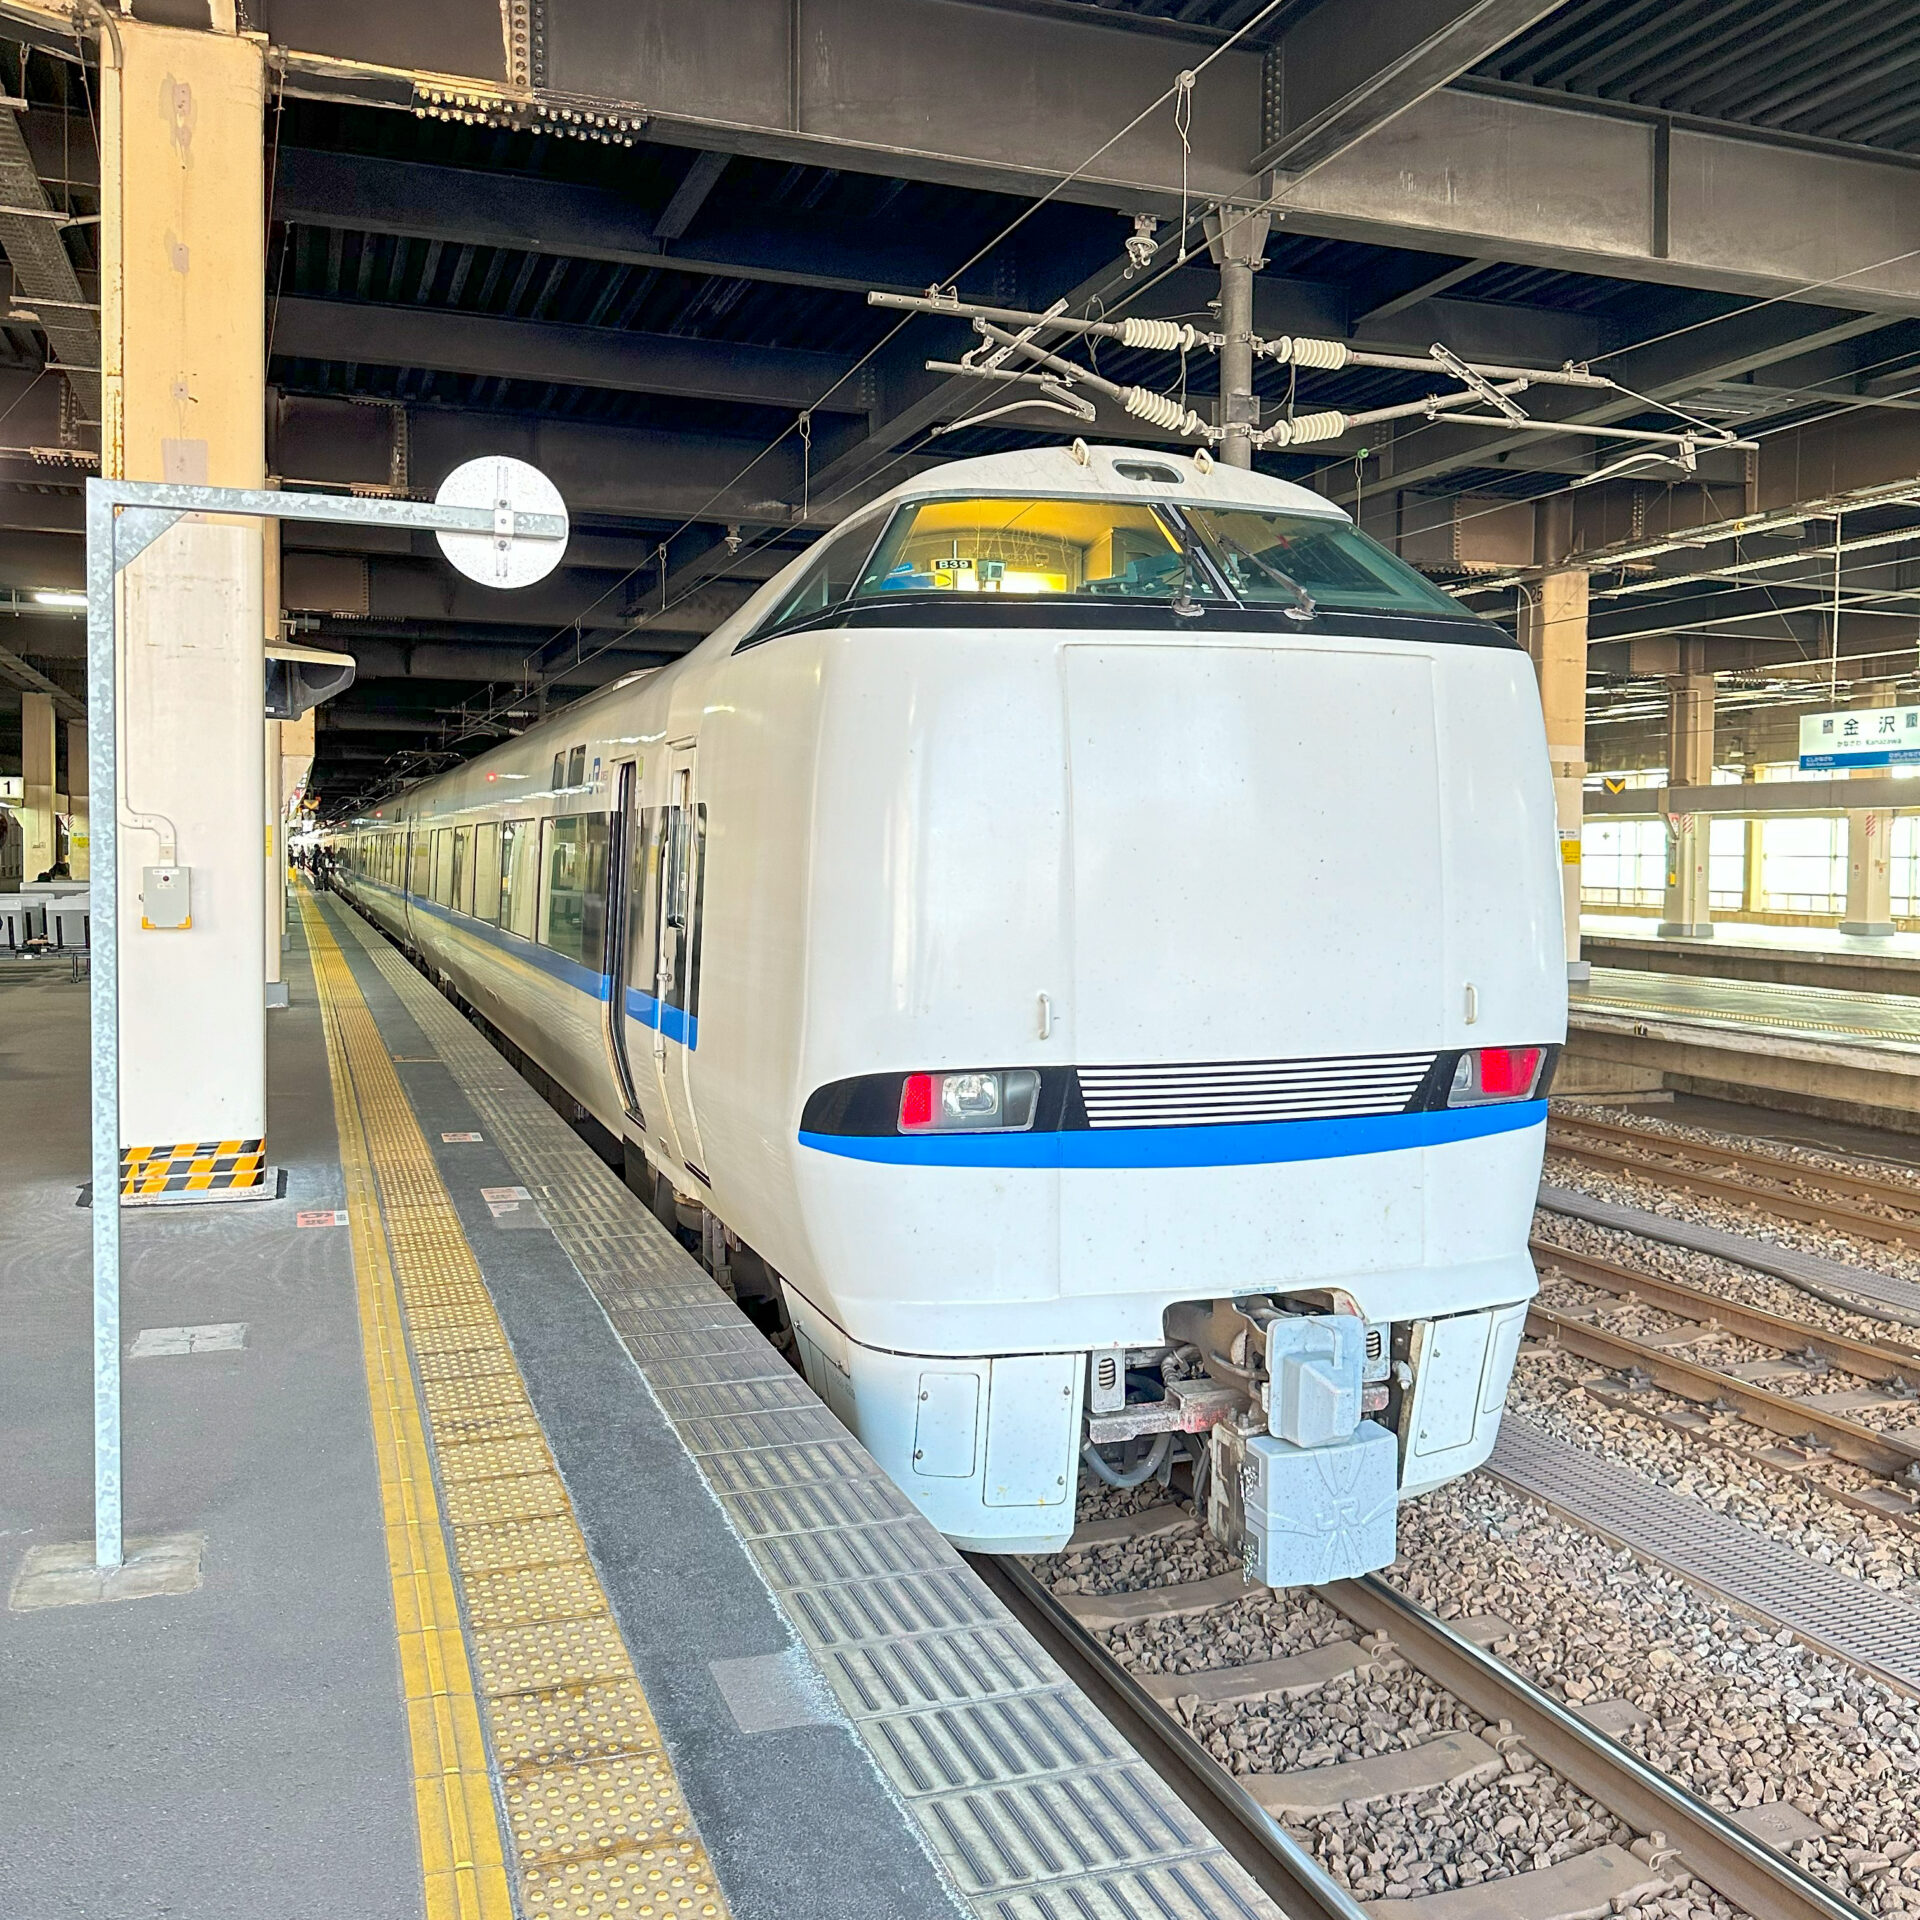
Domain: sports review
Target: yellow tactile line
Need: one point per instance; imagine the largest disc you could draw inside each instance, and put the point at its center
(598, 1822)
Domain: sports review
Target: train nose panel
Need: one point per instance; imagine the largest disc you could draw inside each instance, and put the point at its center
(1257, 877)
(1256, 852)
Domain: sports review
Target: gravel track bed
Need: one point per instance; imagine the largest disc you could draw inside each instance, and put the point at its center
(1794, 1508)
(1652, 1196)
(1401, 1848)
(1724, 1351)
(1713, 1275)
(1815, 1159)
(1740, 1716)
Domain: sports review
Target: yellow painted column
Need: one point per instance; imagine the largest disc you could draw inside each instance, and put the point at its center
(36, 784)
(1689, 764)
(1553, 628)
(183, 357)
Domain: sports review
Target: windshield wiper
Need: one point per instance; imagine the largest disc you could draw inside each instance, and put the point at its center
(1305, 605)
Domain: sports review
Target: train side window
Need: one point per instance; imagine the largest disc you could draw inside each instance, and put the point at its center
(462, 900)
(421, 863)
(559, 769)
(519, 876)
(828, 579)
(443, 866)
(573, 910)
(577, 767)
(486, 872)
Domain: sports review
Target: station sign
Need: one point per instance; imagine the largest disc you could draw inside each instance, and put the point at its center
(1864, 737)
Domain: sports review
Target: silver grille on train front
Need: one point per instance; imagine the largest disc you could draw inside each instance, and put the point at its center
(1221, 1093)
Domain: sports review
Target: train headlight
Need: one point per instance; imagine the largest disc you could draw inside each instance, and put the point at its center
(1496, 1073)
(983, 1102)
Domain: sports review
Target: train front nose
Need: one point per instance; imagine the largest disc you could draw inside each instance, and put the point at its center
(1257, 878)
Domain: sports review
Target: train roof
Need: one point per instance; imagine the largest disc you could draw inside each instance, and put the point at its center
(1128, 473)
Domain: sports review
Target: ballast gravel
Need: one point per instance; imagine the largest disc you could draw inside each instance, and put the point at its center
(1741, 1716)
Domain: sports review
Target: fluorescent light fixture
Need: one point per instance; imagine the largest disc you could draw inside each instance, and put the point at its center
(57, 597)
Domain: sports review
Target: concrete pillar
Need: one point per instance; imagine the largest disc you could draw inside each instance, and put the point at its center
(1752, 888)
(36, 784)
(1553, 628)
(183, 399)
(1688, 915)
(1869, 875)
(274, 809)
(1237, 237)
(77, 825)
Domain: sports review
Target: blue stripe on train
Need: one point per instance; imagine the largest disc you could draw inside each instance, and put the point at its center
(1261, 1143)
(671, 1021)
(642, 1007)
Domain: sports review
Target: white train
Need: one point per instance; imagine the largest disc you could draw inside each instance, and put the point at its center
(1091, 928)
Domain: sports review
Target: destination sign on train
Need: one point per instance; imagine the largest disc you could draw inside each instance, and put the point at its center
(1864, 737)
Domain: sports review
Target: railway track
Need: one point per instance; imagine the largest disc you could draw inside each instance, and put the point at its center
(1673, 1830)
(1770, 1182)
(1662, 1363)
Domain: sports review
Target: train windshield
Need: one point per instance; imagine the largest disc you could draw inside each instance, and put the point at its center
(1116, 550)
(1270, 559)
(1097, 549)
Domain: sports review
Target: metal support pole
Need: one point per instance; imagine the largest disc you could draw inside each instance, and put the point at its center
(1236, 237)
(103, 785)
(124, 518)
(1238, 408)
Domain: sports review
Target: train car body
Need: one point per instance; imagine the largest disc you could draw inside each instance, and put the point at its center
(1091, 926)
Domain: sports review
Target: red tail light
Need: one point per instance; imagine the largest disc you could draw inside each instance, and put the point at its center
(916, 1100)
(1496, 1073)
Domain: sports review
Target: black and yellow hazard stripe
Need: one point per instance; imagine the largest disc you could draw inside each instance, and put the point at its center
(193, 1166)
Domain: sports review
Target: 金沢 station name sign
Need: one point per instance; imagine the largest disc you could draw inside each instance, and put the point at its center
(1865, 737)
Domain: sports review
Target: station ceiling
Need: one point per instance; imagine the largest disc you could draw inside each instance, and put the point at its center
(667, 310)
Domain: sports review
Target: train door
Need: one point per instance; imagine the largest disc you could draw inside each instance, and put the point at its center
(626, 880)
(682, 875)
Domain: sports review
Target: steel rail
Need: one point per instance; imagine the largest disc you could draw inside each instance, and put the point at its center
(1886, 1454)
(1661, 1811)
(1741, 1868)
(1799, 1207)
(1277, 1862)
(1866, 1358)
(1856, 1186)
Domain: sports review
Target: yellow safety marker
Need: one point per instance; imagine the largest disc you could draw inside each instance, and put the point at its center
(598, 1823)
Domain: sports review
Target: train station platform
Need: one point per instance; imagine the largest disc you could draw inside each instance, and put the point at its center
(1838, 1053)
(507, 1569)
(1775, 956)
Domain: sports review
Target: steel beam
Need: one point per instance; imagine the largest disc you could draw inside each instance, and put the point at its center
(459, 206)
(1348, 66)
(984, 98)
(488, 346)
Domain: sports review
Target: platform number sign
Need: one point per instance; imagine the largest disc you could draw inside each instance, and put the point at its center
(1865, 737)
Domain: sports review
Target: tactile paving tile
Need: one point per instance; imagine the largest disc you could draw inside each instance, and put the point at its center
(518, 1595)
(521, 1496)
(1015, 1784)
(671, 1881)
(1863, 1625)
(567, 1725)
(550, 1653)
(597, 1819)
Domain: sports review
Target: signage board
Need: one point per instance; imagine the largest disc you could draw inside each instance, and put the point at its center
(1861, 737)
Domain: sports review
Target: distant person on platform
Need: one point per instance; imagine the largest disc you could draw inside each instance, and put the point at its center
(58, 871)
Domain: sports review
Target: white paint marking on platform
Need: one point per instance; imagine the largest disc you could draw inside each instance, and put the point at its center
(512, 1207)
(221, 1336)
(65, 1575)
(321, 1217)
(460, 1139)
(767, 1691)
